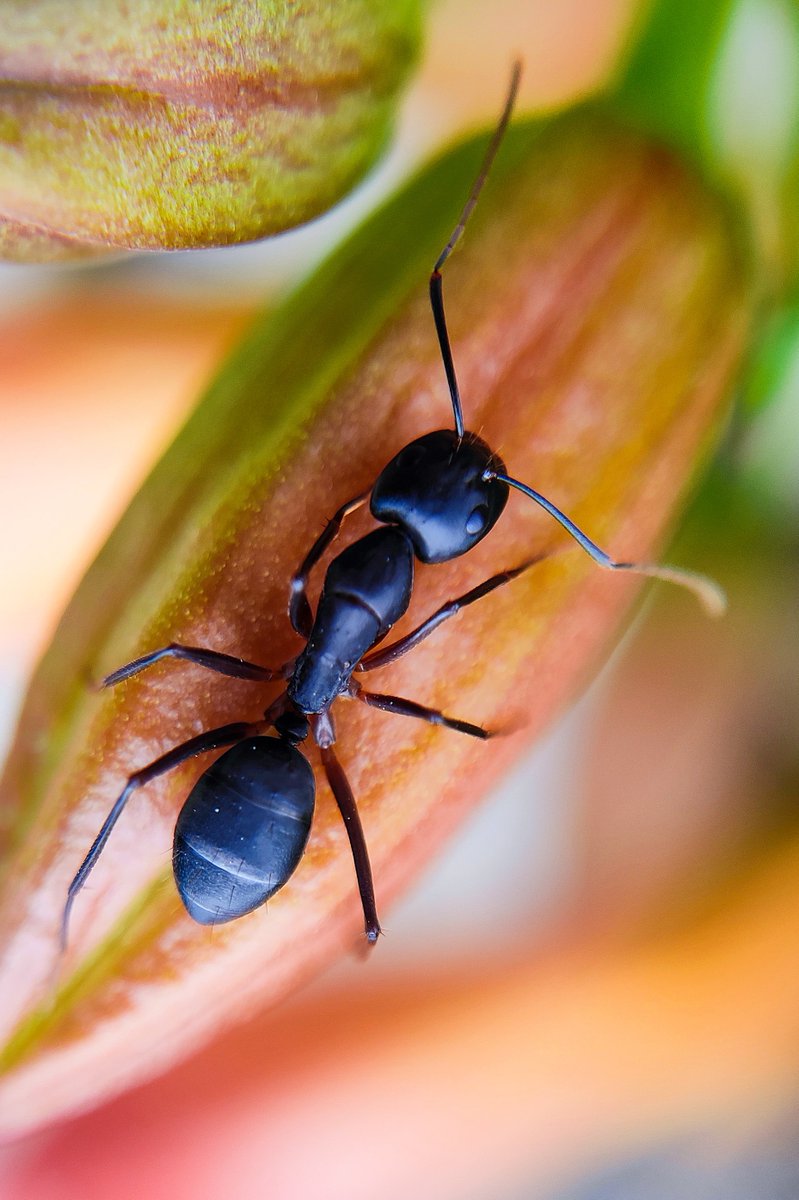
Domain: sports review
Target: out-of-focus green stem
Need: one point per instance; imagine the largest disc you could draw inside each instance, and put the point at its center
(719, 80)
(666, 79)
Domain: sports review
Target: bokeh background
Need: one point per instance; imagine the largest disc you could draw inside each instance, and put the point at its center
(595, 992)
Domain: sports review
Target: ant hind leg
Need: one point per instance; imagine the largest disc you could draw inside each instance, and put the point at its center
(212, 739)
(340, 787)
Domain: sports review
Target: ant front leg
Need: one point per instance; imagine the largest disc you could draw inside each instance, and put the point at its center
(389, 654)
(300, 613)
(339, 785)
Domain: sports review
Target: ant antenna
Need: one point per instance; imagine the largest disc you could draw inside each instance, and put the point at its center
(436, 297)
(707, 591)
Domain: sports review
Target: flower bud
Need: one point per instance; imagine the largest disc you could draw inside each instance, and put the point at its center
(164, 125)
(597, 310)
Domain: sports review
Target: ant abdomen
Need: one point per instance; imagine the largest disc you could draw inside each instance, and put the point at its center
(243, 829)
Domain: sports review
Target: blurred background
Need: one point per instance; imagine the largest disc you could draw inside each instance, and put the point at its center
(595, 992)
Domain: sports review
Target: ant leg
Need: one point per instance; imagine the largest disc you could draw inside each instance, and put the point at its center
(388, 654)
(339, 784)
(409, 708)
(212, 660)
(212, 739)
(300, 613)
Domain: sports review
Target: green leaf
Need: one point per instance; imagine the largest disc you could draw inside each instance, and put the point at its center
(774, 358)
(719, 80)
(666, 80)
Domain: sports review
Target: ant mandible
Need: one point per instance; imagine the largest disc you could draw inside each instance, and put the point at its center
(243, 829)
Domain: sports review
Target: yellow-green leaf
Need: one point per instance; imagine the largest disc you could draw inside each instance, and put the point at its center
(167, 124)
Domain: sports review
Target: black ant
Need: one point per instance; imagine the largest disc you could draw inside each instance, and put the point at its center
(243, 829)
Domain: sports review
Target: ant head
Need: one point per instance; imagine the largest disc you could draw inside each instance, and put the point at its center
(436, 491)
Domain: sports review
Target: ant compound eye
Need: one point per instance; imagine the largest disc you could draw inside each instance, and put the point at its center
(477, 519)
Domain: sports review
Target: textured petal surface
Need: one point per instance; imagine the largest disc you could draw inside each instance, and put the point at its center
(171, 124)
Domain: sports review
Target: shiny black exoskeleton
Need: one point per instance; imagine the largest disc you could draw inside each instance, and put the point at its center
(443, 492)
(242, 830)
(367, 589)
